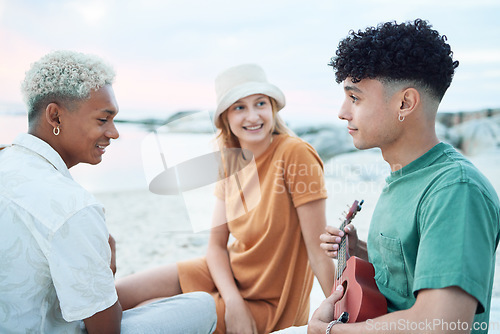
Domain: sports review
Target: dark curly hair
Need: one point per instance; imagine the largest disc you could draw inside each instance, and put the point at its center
(410, 51)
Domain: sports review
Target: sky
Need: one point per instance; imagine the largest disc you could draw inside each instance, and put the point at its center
(167, 52)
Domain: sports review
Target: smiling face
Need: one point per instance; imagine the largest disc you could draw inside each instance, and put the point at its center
(86, 130)
(251, 120)
(372, 115)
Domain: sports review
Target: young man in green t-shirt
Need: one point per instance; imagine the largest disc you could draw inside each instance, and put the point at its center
(435, 229)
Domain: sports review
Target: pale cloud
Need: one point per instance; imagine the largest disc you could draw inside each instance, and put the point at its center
(15, 62)
(93, 12)
(160, 88)
(442, 3)
(481, 56)
(2, 8)
(495, 74)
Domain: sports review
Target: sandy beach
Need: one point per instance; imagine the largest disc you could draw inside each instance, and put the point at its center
(152, 230)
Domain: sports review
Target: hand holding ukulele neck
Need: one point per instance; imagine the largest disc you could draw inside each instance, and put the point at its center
(361, 299)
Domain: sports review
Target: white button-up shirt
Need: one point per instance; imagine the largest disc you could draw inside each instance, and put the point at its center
(54, 252)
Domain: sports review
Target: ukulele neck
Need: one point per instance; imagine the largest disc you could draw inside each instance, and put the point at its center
(343, 252)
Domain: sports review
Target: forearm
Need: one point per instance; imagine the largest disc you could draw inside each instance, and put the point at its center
(323, 268)
(396, 322)
(106, 321)
(313, 222)
(222, 274)
(218, 257)
(431, 313)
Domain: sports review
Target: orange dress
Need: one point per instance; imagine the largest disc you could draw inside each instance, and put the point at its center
(269, 257)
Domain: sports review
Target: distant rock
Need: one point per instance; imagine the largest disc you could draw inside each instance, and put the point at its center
(179, 115)
(478, 135)
(190, 121)
(447, 135)
(451, 119)
(471, 132)
(328, 140)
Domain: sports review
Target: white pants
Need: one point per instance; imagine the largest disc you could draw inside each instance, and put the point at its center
(187, 313)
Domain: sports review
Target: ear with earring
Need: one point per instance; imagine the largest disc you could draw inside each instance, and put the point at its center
(401, 117)
(56, 131)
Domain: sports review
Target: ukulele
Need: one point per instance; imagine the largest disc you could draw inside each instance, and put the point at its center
(361, 299)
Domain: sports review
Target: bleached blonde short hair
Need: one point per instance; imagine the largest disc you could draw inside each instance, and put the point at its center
(63, 76)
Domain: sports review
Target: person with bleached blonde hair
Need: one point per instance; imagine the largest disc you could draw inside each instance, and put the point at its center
(276, 212)
(56, 254)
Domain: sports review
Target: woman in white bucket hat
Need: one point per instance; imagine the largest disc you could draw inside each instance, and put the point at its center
(242, 81)
(272, 203)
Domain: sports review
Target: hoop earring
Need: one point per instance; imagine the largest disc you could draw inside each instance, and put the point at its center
(401, 118)
(56, 131)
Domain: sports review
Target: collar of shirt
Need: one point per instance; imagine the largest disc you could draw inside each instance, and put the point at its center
(44, 150)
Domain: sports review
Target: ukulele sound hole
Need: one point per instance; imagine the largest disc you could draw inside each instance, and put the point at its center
(344, 285)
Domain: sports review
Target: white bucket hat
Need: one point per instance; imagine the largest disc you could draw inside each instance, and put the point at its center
(241, 81)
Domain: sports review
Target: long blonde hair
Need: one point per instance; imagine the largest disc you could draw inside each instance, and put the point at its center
(226, 137)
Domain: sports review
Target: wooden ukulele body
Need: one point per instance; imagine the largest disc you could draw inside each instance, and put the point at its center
(362, 299)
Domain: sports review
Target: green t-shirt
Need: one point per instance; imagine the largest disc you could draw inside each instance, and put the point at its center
(435, 225)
